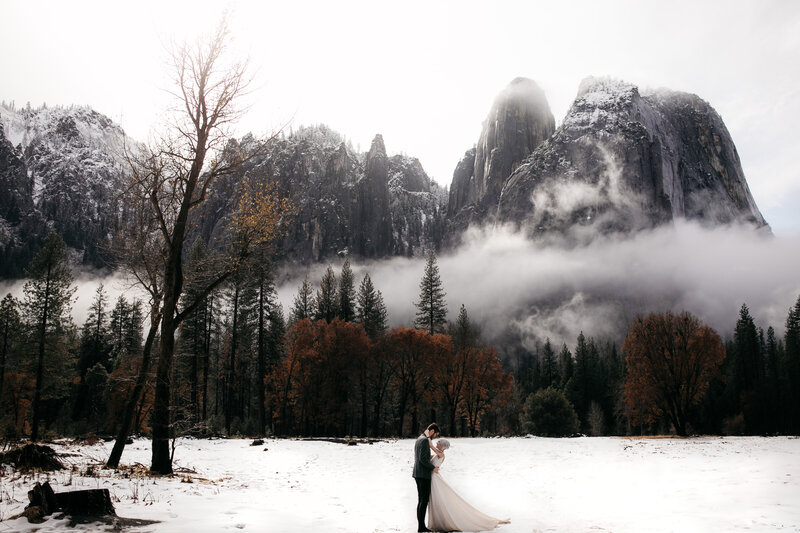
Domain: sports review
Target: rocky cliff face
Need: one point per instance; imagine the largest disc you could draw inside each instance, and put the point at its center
(518, 122)
(368, 205)
(18, 220)
(17, 197)
(61, 168)
(622, 161)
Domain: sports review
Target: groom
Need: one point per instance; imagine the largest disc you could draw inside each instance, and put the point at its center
(422, 472)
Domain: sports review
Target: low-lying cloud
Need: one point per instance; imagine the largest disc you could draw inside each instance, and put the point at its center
(520, 289)
(511, 284)
(86, 284)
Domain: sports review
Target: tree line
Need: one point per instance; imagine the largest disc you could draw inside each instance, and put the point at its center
(333, 367)
(671, 373)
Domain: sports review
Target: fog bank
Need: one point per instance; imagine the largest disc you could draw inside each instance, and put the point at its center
(510, 284)
(518, 289)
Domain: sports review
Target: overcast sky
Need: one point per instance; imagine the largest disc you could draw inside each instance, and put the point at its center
(424, 74)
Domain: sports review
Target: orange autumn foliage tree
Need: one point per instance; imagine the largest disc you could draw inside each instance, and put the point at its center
(485, 386)
(313, 382)
(450, 375)
(319, 387)
(260, 217)
(671, 360)
(416, 353)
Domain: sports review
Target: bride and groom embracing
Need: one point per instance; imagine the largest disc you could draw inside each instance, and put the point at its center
(448, 511)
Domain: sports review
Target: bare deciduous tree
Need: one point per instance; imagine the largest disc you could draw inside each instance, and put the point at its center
(174, 176)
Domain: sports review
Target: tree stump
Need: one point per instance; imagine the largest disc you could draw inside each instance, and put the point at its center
(43, 496)
(84, 504)
(96, 502)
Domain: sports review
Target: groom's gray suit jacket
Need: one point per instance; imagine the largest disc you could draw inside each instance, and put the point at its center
(422, 458)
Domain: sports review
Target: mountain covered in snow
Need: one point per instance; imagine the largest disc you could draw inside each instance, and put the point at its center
(518, 122)
(369, 205)
(59, 168)
(620, 161)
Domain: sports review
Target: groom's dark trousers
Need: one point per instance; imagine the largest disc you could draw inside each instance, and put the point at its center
(422, 475)
(424, 496)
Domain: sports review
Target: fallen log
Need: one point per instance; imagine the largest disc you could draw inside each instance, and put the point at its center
(349, 441)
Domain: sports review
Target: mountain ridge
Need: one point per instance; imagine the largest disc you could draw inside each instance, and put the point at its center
(620, 161)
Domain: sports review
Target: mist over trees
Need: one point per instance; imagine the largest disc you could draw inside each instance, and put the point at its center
(241, 368)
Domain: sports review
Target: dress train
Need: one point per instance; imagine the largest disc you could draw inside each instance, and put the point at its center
(447, 511)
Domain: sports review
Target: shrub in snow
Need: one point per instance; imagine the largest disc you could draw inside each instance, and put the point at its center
(548, 413)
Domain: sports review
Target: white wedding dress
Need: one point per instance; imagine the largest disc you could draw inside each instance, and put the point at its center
(447, 511)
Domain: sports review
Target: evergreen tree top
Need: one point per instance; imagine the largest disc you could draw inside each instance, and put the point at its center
(48, 291)
(303, 304)
(431, 307)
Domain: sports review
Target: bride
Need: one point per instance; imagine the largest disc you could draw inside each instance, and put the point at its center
(447, 511)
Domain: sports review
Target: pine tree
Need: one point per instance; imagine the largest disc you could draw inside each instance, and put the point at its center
(548, 366)
(581, 390)
(266, 324)
(118, 322)
(611, 371)
(747, 352)
(772, 382)
(47, 307)
(431, 307)
(10, 331)
(275, 350)
(565, 366)
(277, 331)
(747, 371)
(327, 300)
(95, 347)
(304, 305)
(133, 329)
(192, 352)
(242, 299)
(95, 334)
(792, 358)
(95, 382)
(464, 332)
(347, 293)
(370, 309)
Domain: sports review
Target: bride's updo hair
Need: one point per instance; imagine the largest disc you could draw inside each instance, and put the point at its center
(443, 444)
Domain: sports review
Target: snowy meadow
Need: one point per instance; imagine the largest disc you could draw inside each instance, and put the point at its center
(564, 485)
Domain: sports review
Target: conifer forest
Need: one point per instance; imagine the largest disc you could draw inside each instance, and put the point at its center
(330, 366)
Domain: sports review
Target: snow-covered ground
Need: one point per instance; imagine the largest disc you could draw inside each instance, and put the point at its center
(564, 485)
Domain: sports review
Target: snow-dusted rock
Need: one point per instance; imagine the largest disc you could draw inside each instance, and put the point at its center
(518, 122)
(623, 161)
(369, 204)
(64, 168)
